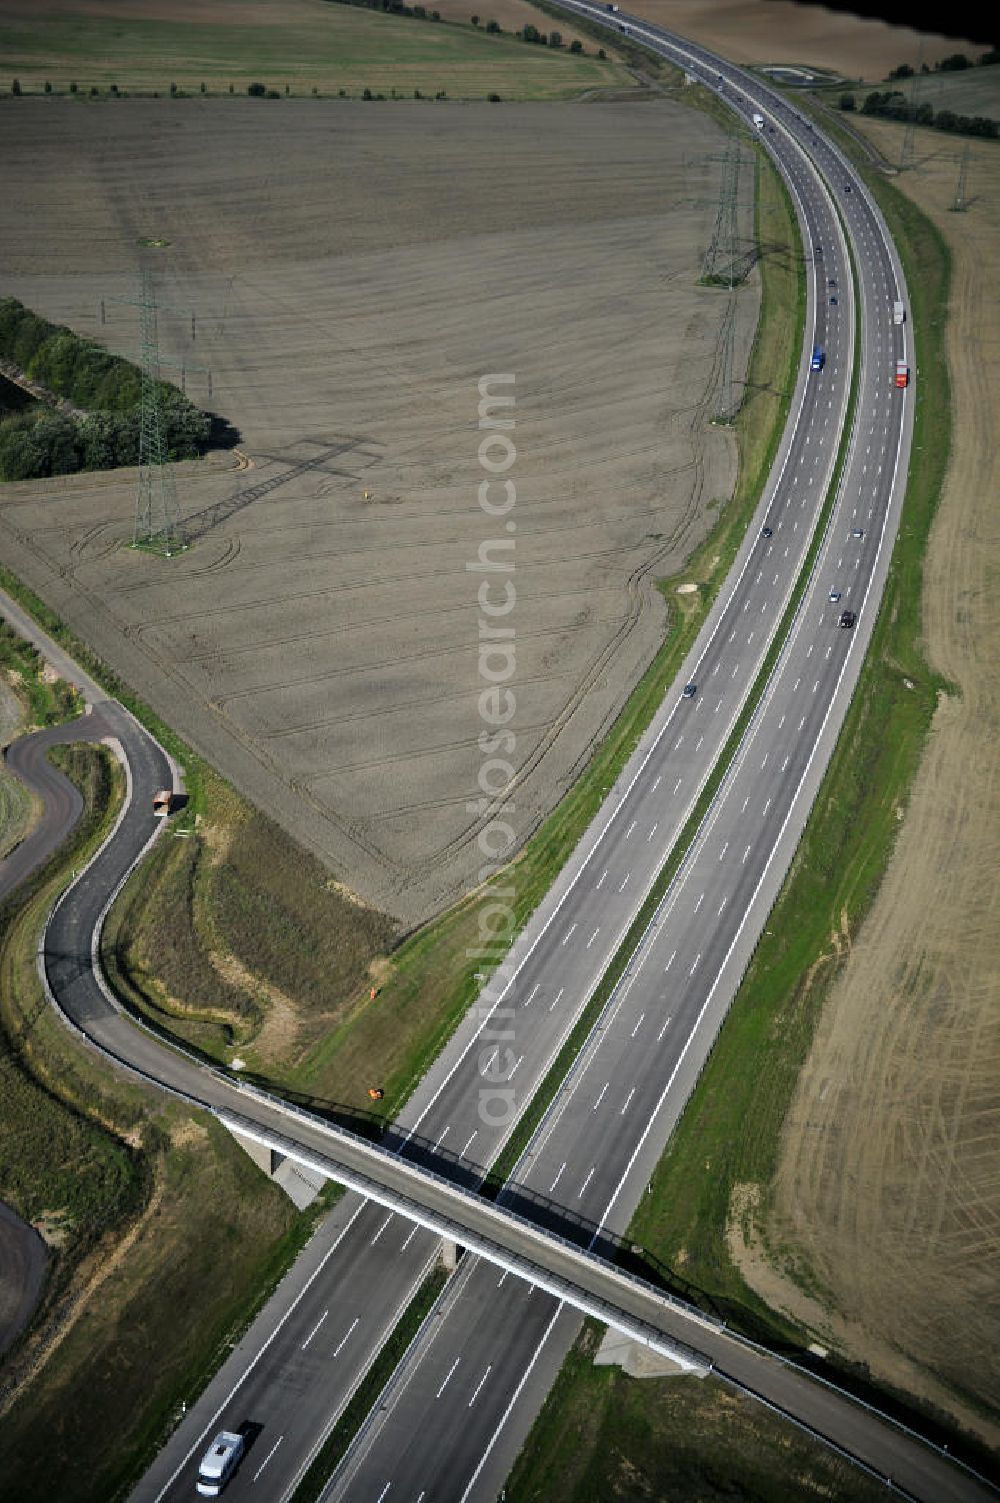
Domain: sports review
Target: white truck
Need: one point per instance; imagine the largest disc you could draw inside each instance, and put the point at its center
(898, 313)
(758, 119)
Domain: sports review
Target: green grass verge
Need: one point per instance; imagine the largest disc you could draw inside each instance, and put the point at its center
(363, 1400)
(602, 1435)
(729, 1137)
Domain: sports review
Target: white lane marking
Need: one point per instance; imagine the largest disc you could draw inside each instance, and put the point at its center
(448, 1379)
(638, 1025)
(267, 1458)
(630, 829)
(600, 1097)
(815, 686)
(596, 932)
(669, 963)
(663, 1030)
(383, 1492)
(766, 807)
(558, 1177)
(745, 855)
(677, 785)
(723, 904)
(678, 742)
(736, 670)
(785, 763)
(628, 1098)
(600, 884)
(695, 966)
(802, 722)
(569, 933)
(315, 1328)
(390, 1215)
(700, 740)
(624, 884)
(809, 650)
(781, 722)
(652, 831)
(410, 1237)
(346, 1337)
(501, 1278)
(532, 994)
(475, 1130)
(722, 853)
(656, 785)
(583, 1187)
(513, 1071)
(475, 1394)
(745, 802)
(699, 902)
(764, 763)
(555, 999)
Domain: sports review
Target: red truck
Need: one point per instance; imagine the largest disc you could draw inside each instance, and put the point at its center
(902, 373)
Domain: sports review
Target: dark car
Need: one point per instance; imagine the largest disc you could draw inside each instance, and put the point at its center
(833, 301)
(767, 532)
(690, 690)
(847, 187)
(847, 619)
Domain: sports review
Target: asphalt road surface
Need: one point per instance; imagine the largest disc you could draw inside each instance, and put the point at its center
(23, 1262)
(604, 1133)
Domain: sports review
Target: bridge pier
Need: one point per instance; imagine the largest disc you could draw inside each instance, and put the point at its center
(449, 1254)
(638, 1360)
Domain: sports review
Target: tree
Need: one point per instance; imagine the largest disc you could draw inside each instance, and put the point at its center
(474, 20)
(72, 88)
(531, 33)
(493, 27)
(555, 38)
(366, 94)
(256, 90)
(847, 102)
(203, 89)
(173, 91)
(576, 45)
(903, 71)
(494, 99)
(955, 63)
(15, 87)
(48, 87)
(602, 54)
(924, 114)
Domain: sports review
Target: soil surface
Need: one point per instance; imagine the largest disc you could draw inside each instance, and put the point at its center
(889, 1185)
(23, 1260)
(814, 36)
(355, 273)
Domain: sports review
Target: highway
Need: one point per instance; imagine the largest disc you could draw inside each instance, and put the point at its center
(599, 1142)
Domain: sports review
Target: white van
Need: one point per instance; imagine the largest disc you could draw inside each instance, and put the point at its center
(219, 1463)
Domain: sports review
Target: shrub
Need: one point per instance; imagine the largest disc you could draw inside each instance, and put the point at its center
(555, 38)
(256, 90)
(474, 20)
(232, 88)
(602, 54)
(367, 94)
(274, 94)
(441, 94)
(48, 87)
(847, 101)
(203, 88)
(113, 90)
(494, 99)
(955, 63)
(72, 88)
(493, 27)
(576, 45)
(417, 94)
(94, 91)
(173, 91)
(903, 71)
(288, 90)
(15, 87)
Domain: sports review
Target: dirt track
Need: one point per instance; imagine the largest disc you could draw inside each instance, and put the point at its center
(355, 275)
(889, 1187)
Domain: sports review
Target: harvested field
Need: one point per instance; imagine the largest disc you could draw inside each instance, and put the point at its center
(781, 31)
(356, 274)
(296, 46)
(887, 1194)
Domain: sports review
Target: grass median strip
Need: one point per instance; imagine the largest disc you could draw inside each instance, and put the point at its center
(549, 1089)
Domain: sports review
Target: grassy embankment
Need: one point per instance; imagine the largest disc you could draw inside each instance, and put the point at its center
(730, 1134)
(604, 1435)
(116, 1179)
(301, 47)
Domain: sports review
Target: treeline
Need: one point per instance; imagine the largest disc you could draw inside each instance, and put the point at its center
(893, 104)
(108, 389)
(956, 62)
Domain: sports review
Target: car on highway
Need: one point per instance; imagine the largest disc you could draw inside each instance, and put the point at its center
(847, 619)
(767, 532)
(219, 1463)
(832, 301)
(690, 690)
(834, 595)
(857, 532)
(847, 187)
